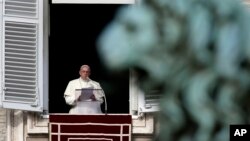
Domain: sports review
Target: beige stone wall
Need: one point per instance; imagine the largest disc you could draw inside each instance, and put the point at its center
(3, 124)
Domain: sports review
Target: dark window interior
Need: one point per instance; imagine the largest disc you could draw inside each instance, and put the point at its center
(74, 29)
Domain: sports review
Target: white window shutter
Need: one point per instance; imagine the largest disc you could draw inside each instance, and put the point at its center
(22, 54)
(1, 53)
(141, 102)
(133, 93)
(149, 101)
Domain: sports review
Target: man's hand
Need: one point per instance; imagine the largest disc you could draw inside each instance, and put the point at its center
(77, 96)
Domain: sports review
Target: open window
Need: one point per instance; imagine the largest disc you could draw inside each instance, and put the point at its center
(24, 57)
(73, 36)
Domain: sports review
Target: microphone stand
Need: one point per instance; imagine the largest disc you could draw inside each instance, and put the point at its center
(106, 107)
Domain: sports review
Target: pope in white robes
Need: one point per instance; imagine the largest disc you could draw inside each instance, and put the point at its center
(90, 106)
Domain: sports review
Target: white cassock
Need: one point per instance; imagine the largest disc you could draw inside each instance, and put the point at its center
(86, 107)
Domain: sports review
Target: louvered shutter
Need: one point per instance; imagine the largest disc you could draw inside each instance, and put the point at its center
(22, 52)
(1, 53)
(133, 93)
(149, 101)
(142, 101)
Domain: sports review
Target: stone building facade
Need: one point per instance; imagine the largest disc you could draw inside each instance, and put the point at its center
(3, 125)
(17, 125)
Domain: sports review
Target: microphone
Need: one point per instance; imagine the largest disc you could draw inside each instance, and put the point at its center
(106, 107)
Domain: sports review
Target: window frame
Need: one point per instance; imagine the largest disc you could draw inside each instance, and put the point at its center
(143, 124)
(93, 1)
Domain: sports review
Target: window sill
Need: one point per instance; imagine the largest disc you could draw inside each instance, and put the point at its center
(37, 124)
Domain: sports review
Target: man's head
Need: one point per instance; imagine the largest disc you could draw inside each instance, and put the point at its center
(84, 72)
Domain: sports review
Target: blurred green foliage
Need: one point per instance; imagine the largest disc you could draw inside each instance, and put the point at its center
(198, 51)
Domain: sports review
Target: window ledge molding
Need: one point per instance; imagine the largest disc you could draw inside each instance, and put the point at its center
(143, 125)
(37, 124)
